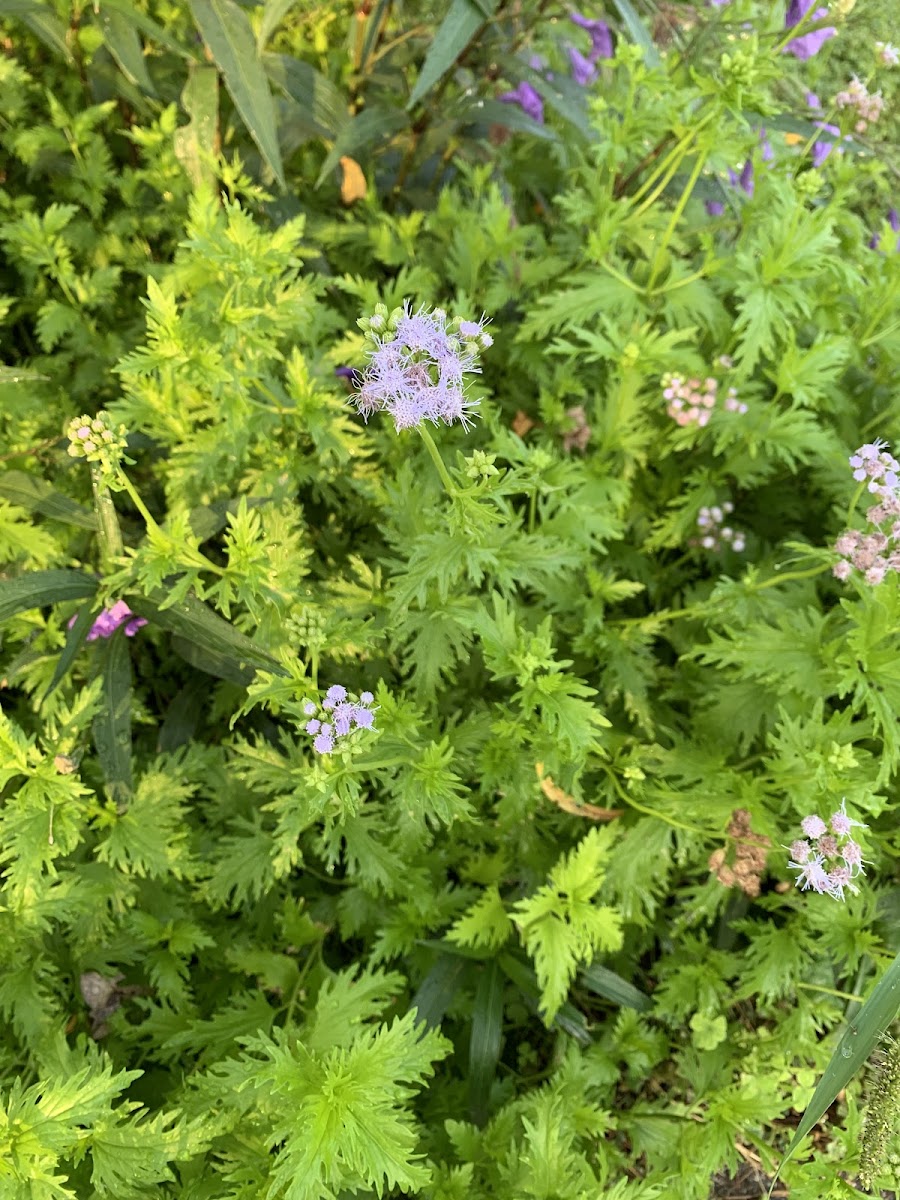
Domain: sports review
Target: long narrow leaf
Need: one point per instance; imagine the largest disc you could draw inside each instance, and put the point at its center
(123, 43)
(485, 1039)
(42, 22)
(438, 988)
(368, 129)
(112, 724)
(862, 1035)
(457, 29)
(613, 987)
(37, 588)
(639, 32)
(229, 36)
(35, 494)
(75, 639)
(322, 105)
(568, 1018)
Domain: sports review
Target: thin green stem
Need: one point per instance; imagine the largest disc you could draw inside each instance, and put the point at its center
(448, 483)
(138, 503)
(649, 812)
(814, 987)
(809, 574)
(675, 155)
(675, 218)
(111, 545)
(198, 559)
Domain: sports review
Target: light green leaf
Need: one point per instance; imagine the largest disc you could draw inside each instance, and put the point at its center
(639, 32)
(195, 142)
(458, 28)
(42, 22)
(228, 35)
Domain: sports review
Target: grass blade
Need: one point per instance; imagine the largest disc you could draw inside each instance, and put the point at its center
(438, 988)
(613, 987)
(861, 1037)
(112, 725)
(485, 1039)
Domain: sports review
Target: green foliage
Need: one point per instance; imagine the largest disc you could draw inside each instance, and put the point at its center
(515, 939)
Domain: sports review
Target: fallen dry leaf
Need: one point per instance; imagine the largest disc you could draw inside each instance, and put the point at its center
(569, 804)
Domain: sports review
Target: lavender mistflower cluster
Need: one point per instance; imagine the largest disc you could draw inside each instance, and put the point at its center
(827, 861)
(338, 716)
(110, 619)
(418, 365)
(715, 535)
(876, 550)
(868, 105)
(887, 55)
(691, 401)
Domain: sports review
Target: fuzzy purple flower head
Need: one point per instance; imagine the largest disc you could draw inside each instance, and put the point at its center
(110, 619)
(807, 44)
(601, 37)
(826, 858)
(337, 717)
(418, 366)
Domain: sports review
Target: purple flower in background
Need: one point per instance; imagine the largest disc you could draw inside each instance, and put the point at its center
(714, 208)
(353, 377)
(766, 152)
(745, 180)
(583, 70)
(893, 219)
(601, 37)
(807, 44)
(527, 99)
(110, 619)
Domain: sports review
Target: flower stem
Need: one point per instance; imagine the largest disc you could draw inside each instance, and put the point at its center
(111, 545)
(448, 483)
(675, 218)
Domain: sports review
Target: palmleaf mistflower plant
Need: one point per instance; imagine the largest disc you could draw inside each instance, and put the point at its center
(876, 550)
(826, 858)
(337, 717)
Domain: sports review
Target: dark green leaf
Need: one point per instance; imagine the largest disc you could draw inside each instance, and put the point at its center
(569, 1019)
(208, 634)
(42, 22)
(183, 716)
(613, 987)
(38, 588)
(863, 1034)
(373, 26)
(438, 988)
(639, 32)
(75, 638)
(370, 127)
(486, 1036)
(322, 106)
(36, 495)
(123, 43)
(148, 27)
(510, 116)
(458, 28)
(228, 35)
(112, 724)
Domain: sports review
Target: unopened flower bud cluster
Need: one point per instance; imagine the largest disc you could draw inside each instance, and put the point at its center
(418, 366)
(714, 534)
(338, 716)
(868, 105)
(876, 550)
(692, 401)
(94, 438)
(826, 858)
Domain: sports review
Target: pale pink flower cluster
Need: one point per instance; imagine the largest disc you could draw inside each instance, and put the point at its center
(887, 55)
(691, 401)
(714, 533)
(876, 550)
(827, 860)
(868, 105)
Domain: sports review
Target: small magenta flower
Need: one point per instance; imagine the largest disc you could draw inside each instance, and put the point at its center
(110, 619)
(527, 99)
(873, 462)
(338, 716)
(807, 44)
